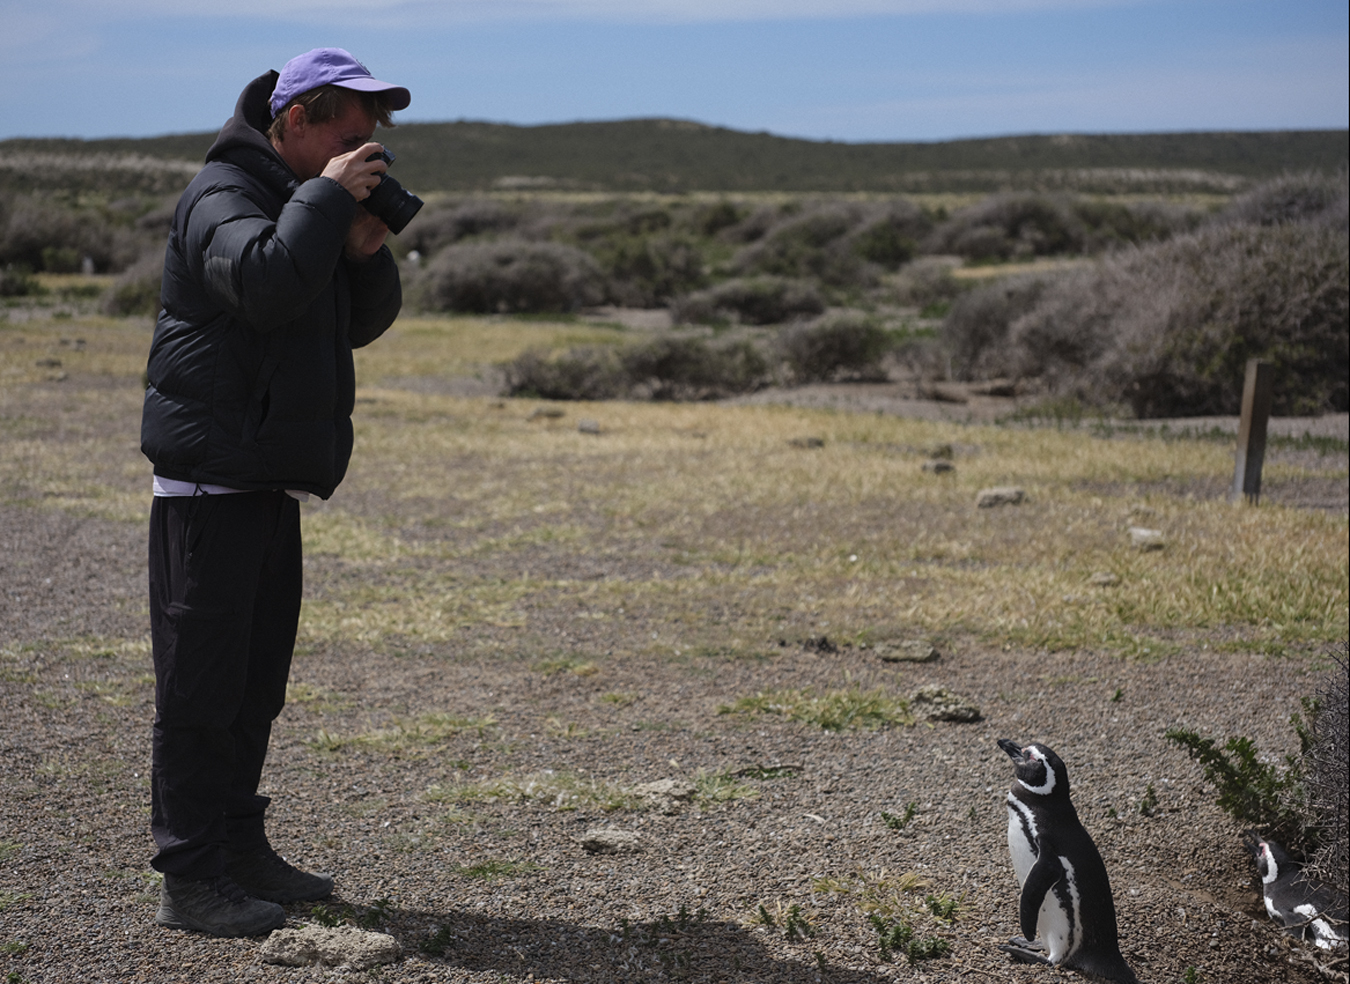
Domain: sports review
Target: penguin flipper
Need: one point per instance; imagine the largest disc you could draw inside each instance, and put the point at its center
(1023, 952)
(1042, 877)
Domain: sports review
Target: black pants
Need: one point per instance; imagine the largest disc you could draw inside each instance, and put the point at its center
(225, 586)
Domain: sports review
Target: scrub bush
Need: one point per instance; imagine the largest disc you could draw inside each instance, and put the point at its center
(690, 369)
(510, 276)
(17, 282)
(648, 271)
(837, 347)
(1292, 198)
(668, 368)
(1327, 768)
(752, 301)
(137, 289)
(1169, 328)
(811, 245)
(1010, 226)
(445, 226)
(581, 374)
(975, 330)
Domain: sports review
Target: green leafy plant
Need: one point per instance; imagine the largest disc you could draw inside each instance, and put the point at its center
(900, 822)
(898, 937)
(1250, 791)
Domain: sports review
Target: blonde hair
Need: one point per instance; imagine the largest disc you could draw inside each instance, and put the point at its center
(327, 102)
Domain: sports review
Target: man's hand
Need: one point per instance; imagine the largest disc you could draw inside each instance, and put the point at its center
(355, 173)
(365, 237)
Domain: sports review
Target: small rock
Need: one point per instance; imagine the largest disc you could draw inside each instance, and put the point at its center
(666, 795)
(938, 466)
(608, 840)
(910, 651)
(940, 704)
(589, 427)
(338, 946)
(807, 442)
(545, 413)
(1145, 539)
(1003, 495)
(1103, 579)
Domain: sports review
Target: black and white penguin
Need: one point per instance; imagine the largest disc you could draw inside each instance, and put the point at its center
(1066, 913)
(1304, 908)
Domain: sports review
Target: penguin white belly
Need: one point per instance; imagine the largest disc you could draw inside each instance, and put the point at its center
(1058, 926)
(1021, 840)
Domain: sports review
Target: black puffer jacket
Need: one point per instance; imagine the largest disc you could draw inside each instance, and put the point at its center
(251, 382)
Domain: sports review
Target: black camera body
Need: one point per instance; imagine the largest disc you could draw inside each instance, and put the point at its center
(389, 201)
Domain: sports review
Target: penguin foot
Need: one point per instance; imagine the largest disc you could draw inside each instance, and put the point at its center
(1025, 951)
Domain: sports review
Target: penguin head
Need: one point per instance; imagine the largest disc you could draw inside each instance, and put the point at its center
(1039, 770)
(1271, 859)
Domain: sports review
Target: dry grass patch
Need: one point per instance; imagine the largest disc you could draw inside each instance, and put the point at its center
(417, 736)
(833, 710)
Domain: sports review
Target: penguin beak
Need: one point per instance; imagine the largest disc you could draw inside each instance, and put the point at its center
(1013, 749)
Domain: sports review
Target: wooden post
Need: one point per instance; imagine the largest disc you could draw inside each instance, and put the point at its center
(1257, 391)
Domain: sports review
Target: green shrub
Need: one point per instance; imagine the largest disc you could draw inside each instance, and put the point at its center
(753, 301)
(811, 245)
(1168, 328)
(17, 282)
(690, 369)
(1252, 792)
(434, 228)
(1010, 226)
(581, 374)
(668, 368)
(510, 276)
(975, 330)
(844, 346)
(648, 271)
(1292, 198)
(137, 289)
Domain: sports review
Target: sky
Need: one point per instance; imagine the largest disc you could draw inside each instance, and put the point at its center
(848, 70)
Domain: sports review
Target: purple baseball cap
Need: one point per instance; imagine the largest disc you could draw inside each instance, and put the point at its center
(331, 66)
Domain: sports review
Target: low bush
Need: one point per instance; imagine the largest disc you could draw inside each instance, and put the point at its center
(17, 282)
(1292, 198)
(668, 368)
(649, 271)
(811, 245)
(1010, 226)
(1327, 777)
(435, 228)
(45, 234)
(975, 330)
(687, 369)
(510, 276)
(581, 374)
(751, 300)
(836, 347)
(1169, 328)
(137, 289)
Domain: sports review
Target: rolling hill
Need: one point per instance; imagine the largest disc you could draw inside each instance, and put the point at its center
(677, 156)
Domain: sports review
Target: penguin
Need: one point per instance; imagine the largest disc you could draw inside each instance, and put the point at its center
(1304, 908)
(1066, 912)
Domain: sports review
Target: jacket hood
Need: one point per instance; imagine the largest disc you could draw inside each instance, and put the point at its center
(243, 138)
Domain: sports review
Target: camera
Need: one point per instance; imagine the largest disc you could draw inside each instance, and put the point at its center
(389, 201)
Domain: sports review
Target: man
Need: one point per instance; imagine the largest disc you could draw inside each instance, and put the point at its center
(272, 275)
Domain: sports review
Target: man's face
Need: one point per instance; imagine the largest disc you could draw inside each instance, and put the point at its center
(308, 147)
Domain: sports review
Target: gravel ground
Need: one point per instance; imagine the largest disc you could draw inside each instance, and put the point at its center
(790, 825)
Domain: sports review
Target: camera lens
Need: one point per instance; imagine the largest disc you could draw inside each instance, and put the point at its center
(392, 204)
(389, 201)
